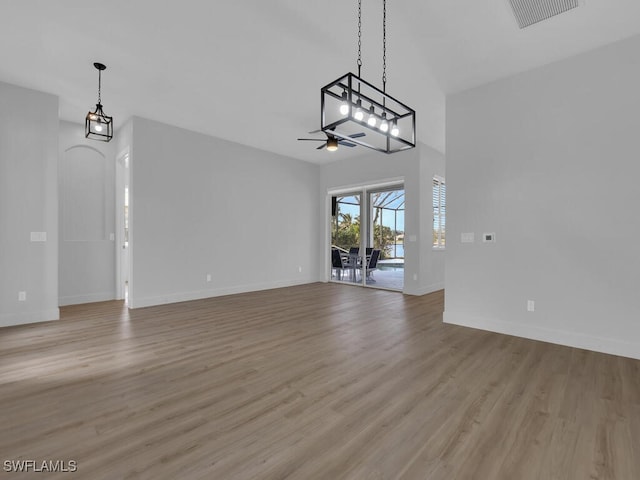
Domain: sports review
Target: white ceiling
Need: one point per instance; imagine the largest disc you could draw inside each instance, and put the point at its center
(250, 71)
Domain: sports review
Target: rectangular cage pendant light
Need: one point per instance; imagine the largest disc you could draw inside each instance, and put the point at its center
(351, 106)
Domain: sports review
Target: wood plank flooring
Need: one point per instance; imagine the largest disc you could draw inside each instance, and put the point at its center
(319, 381)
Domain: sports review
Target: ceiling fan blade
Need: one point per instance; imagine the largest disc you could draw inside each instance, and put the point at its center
(315, 131)
(322, 146)
(313, 139)
(357, 135)
(346, 144)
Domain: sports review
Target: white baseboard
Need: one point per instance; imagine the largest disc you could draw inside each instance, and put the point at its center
(23, 318)
(217, 292)
(423, 290)
(87, 298)
(559, 337)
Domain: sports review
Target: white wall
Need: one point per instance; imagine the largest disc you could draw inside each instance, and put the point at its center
(28, 203)
(203, 205)
(416, 168)
(548, 160)
(86, 214)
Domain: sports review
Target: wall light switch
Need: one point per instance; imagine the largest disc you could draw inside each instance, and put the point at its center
(468, 237)
(22, 296)
(112, 236)
(531, 306)
(38, 236)
(208, 277)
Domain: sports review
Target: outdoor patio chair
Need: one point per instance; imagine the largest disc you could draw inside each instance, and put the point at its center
(336, 262)
(352, 259)
(373, 262)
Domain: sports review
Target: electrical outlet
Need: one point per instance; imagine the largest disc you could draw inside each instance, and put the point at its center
(22, 296)
(531, 306)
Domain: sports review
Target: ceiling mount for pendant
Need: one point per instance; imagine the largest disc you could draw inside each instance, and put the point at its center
(349, 104)
(97, 125)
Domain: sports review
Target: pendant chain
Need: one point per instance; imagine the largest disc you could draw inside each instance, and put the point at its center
(359, 36)
(99, 85)
(384, 45)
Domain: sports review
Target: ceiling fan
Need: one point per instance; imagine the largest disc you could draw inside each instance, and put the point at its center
(331, 143)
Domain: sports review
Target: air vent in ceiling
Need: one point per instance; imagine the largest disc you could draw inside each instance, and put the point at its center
(528, 12)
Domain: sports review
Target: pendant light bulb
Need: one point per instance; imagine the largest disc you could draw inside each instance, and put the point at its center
(359, 115)
(384, 125)
(372, 117)
(332, 144)
(344, 107)
(395, 131)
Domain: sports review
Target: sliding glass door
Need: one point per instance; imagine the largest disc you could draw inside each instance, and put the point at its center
(345, 237)
(367, 238)
(385, 239)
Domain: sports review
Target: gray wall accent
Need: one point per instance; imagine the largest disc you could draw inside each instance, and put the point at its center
(201, 205)
(548, 160)
(28, 203)
(416, 169)
(86, 186)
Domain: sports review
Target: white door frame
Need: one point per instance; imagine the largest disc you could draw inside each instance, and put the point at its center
(363, 189)
(123, 260)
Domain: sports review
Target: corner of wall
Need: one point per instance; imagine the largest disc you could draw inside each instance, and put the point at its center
(31, 157)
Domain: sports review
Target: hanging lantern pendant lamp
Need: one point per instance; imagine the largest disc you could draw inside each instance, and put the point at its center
(350, 103)
(97, 125)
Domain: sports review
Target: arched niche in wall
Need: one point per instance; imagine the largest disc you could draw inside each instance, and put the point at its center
(83, 178)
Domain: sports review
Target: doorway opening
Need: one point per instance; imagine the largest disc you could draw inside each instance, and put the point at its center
(122, 222)
(367, 237)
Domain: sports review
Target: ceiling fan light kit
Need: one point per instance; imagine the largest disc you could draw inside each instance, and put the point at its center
(349, 104)
(331, 143)
(97, 125)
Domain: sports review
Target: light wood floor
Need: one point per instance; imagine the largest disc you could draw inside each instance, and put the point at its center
(320, 381)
